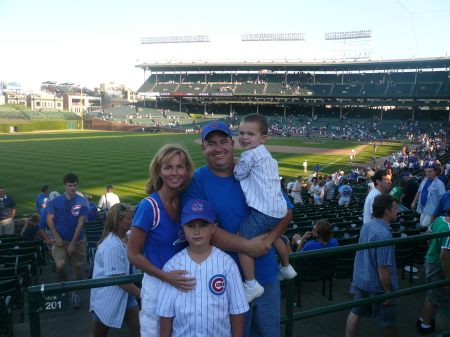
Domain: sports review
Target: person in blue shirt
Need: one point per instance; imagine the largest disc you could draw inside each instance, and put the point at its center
(42, 199)
(375, 271)
(7, 213)
(65, 218)
(92, 216)
(323, 234)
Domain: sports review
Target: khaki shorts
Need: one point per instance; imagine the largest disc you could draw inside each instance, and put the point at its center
(77, 258)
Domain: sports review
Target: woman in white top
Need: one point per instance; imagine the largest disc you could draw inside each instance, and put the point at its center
(312, 188)
(110, 306)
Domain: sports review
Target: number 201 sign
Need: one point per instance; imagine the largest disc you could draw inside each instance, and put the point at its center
(53, 303)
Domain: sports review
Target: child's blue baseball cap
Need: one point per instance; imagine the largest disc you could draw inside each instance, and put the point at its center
(215, 126)
(197, 209)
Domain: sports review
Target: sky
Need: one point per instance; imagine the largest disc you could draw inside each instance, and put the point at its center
(89, 42)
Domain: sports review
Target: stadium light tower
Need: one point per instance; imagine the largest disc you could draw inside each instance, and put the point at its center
(272, 46)
(175, 39)
(274, 37)
(352, 45)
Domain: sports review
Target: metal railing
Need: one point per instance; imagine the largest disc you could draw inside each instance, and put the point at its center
(37, 292)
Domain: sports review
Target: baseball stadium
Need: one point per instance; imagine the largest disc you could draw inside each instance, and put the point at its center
(346, 118)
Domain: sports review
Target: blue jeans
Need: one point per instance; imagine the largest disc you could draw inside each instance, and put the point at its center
(256, 223)
(263, 318)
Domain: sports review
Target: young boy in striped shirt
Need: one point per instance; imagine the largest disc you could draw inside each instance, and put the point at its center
(216, 306)
(257, 173)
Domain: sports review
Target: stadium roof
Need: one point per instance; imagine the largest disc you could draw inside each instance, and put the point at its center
(386, 65)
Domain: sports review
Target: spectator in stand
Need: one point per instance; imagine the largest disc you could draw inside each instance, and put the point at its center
(65, 218)
(30, 229)
(42, 199)
(322, 232)
(382, 182)
(7, 213)
(109, 199)
(409, 191)
(329, 187)
(110, 306)
(437, 268)
(442, 207)
(345, 193)
(312, 188)
(375, 270)
(427, 197)
(297, 191)
(92, 216)
(289, 186)
(319, 193)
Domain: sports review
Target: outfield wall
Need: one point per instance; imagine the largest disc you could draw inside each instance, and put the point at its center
(102, 125)
(40, 126)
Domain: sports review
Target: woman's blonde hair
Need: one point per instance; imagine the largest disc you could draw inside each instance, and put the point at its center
(164, 155)
(116, 212)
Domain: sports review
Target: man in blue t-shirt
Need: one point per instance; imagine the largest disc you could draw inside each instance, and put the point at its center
(216, 184)
(42, 199)
(7, 213)
(65, 218)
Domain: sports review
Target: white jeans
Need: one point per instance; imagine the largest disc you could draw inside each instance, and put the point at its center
(7, 226)
(149, 301)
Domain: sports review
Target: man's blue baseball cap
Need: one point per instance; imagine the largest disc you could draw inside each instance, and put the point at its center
(215, 126)
(197, 209)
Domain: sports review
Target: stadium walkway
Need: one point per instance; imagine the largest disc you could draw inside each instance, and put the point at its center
(74, 323)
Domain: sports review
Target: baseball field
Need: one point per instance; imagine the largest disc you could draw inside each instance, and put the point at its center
(30, 160)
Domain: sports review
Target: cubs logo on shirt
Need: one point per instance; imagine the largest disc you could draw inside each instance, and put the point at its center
(181, 238)
(197, 207)
(217, 284)
(76, 209)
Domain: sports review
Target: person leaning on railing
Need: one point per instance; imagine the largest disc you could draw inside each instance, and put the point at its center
(110, 306)
(322, 232)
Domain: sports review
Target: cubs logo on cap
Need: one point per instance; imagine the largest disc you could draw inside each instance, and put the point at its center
(197, 209)
(217, 284)
(215, 126)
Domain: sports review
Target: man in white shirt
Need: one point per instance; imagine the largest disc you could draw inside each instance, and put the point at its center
(305, 166)
(109, 199)
(329, 188)
(297, 191)
(289, 186)
(382, 182)
(427, 197)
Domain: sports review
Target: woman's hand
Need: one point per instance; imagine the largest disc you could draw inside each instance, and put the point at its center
(176, 279)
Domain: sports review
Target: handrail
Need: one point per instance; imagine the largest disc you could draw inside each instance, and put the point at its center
(35, 292)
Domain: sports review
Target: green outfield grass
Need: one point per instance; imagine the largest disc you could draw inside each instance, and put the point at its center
(30, 160)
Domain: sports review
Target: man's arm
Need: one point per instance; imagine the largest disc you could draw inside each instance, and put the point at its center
(445, 262)
(385, 277)
(48, 241)
(52, 227)
(76, 235)
(255, 247)
(414, 203)
(13, 213)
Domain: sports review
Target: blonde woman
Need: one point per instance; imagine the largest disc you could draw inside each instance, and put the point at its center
(110, 306)
(156, 228)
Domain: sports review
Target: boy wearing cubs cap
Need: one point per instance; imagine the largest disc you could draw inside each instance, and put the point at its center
(217, 304)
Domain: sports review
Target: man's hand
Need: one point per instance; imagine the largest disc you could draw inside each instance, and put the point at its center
(389, 302)
(71, 248)
(59, 242)
(49, 242)
(256, 247)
